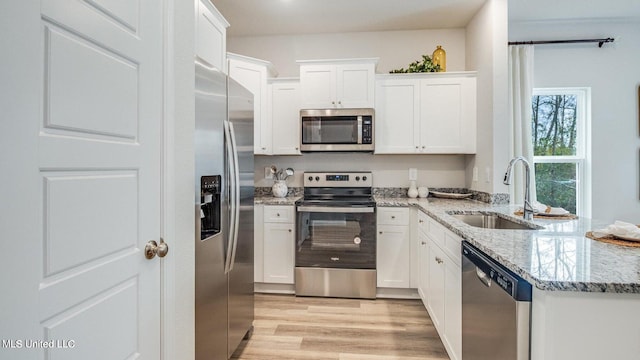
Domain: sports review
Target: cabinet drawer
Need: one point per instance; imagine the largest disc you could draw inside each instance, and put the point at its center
(278, 214)
(436, 232)
(452, 246)
(423, 222)
(393, 216)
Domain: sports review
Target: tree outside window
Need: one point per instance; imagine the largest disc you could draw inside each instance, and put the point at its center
(560, 145)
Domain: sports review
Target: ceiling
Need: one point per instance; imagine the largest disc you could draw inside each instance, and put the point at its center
(279, 17)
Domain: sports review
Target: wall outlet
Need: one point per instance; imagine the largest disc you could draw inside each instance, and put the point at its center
(413, 174)
(475, 173)
(267, 173)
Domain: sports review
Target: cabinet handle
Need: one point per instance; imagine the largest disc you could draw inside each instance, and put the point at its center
(438, 260)
(423, 146)
(339, 102)
(289, 230)
(380, 233)
(420, 221)
(264, 148)
(423, 243)
(417, 147)
(393, 216)
(297, 148)
(278, 214)
(333, 103)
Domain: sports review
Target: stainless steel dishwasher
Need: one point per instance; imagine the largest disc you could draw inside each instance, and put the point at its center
(496, 309)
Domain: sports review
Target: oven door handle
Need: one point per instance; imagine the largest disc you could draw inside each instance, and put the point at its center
(335, 209)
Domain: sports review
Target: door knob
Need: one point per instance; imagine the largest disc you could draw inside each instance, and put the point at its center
(153, 248)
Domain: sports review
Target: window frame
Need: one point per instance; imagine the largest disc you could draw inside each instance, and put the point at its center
(582, 158)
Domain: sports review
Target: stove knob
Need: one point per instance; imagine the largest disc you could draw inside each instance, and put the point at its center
(317, 178)
(310, 178)
(364, 178)
(357, 178)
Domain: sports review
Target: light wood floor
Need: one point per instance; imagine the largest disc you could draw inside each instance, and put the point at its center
(298, 328)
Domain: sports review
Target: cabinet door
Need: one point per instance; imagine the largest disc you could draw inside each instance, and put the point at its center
(435, 298)
(279, 252)
(453, 308)
(211, 36)
(423, 286)
(397, 116)
(318, 86)
(258, 243)
(254, 78)
(355, 86)
(447, 115)
(285, 117)
(393, 257)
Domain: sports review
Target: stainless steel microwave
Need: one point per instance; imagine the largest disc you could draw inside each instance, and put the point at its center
(337, 130)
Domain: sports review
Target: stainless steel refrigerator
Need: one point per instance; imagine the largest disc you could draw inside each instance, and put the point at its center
(224, 213)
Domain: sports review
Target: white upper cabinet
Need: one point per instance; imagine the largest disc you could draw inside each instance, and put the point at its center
(397, 116)
(345, 83)
(211, 35)
(426, 113)
(285, 116)
(253, 73)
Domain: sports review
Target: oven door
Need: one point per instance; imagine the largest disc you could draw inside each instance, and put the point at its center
(336, 237)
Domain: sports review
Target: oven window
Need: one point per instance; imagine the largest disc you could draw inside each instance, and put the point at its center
(336, 240)
(330, 130)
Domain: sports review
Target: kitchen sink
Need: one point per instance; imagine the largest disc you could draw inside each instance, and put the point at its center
(493, 221)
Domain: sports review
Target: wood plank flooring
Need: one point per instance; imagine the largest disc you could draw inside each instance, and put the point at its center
(299, 328)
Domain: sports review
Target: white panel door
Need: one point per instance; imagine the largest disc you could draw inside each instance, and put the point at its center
(80, 138)
(318, 86)
(285, 117)
(393, 256)
(397, 116)
(279, 253)
(355, 86)
(448, 115)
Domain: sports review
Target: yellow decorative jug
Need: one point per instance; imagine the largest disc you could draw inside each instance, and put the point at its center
(440, 58)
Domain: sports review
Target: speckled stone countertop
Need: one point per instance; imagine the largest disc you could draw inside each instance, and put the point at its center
(556, 257)
(272, 200)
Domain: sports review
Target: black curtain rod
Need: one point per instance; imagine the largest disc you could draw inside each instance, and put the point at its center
(542, 42)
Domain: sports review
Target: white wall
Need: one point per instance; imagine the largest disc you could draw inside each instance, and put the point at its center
(395, 49)
(486, 49)
(613, 74)
(388, 170)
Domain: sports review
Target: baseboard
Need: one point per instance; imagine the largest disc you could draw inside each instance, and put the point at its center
(269, 288)
(394, 293)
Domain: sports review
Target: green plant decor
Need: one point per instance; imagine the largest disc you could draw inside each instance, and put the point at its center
(426, 65)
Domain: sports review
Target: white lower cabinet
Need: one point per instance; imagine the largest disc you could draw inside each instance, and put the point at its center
(393, 252)
(441, 281)
(278, 246)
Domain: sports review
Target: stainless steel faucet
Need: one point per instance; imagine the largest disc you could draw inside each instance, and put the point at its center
(527, 211)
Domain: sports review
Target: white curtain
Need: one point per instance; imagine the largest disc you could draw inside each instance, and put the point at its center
(520, 92)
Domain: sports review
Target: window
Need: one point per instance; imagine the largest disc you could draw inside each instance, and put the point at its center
(560, 129)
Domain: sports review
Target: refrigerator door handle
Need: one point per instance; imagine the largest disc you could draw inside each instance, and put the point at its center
(232, 196)
(236, 188)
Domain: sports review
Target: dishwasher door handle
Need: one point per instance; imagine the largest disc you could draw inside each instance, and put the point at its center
(482, 276)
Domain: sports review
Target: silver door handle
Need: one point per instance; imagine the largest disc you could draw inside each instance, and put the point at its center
(232, 196)
(152, 248)
(333, 209)
(236, 188)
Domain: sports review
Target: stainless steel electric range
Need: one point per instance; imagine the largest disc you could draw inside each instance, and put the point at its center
(336, 236)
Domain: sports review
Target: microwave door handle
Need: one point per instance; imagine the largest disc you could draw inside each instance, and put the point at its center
(359, 129)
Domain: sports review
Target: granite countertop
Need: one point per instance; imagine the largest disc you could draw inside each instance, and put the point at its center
(556, 257)
(271, 200)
